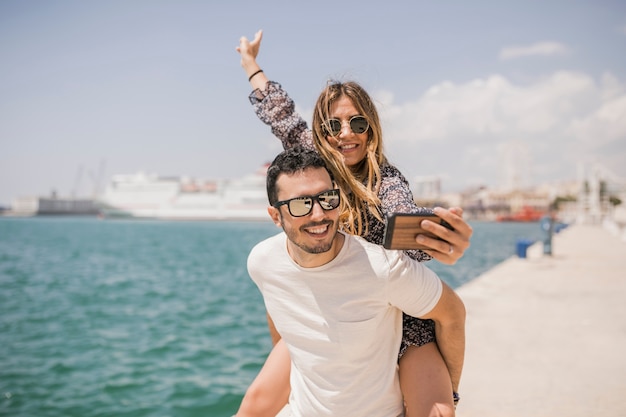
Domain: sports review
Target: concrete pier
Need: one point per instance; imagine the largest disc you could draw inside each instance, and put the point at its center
(546, 336)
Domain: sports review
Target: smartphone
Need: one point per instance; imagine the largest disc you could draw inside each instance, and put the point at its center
(402, 228)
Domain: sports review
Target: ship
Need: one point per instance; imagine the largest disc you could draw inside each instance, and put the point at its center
(150, 196)
(525, 214)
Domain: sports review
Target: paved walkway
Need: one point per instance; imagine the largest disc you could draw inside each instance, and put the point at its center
(546, 336)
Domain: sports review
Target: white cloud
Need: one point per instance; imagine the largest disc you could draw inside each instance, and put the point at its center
(539, 48)
(604, 125)
(458, 130)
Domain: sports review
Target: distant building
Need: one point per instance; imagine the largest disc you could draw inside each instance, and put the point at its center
(595, 196)
(484, 204)
(601, 197)
(427, 191)
(427, 188)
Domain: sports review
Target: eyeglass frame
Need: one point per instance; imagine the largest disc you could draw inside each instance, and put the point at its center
(313, 198)
(327, 125)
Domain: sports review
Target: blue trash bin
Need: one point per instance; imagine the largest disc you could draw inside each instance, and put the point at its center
(522, 246)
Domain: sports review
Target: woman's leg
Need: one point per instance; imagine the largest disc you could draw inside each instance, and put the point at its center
(269, 392)
(425, 382)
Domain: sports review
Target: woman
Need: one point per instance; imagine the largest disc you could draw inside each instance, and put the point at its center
(347, 132)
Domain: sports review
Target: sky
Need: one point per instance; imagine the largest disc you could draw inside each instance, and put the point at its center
(474, 92)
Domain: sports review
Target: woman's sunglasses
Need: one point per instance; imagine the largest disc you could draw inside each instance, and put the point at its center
(358, 124)
(301, 206)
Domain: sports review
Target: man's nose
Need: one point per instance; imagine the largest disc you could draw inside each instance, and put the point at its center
(317, 211)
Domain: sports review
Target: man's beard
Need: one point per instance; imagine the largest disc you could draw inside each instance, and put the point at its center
(320, 247)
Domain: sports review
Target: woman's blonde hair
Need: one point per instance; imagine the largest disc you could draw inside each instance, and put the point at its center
(359, 183)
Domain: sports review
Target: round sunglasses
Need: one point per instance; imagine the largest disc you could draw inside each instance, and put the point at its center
(303, 205)
(358, 125)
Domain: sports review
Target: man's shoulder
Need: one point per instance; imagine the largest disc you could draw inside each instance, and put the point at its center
(358, 243)
(266, 249)
(269, 244)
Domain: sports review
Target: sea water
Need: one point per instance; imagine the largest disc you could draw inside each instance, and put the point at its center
(148, 318)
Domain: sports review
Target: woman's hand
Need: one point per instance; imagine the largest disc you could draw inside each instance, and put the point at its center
(455, 242)
(249, 50)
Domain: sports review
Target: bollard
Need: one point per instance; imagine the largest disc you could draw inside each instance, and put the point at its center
(522, 246)
(547, 227)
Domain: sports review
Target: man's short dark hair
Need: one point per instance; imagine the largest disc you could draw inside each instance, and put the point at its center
(290, 161)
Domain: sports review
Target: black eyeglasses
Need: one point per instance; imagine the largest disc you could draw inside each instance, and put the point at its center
(301, 206)
(358, 124)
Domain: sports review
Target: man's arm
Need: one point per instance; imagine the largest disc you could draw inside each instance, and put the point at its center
(449, 317)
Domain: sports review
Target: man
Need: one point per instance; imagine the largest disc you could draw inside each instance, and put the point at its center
(337, 300)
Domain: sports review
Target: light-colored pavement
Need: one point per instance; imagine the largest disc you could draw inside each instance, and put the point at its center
(546, 336)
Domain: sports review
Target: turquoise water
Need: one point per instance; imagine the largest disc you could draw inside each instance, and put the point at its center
(141, 318)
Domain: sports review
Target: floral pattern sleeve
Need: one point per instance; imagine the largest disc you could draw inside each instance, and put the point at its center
(275, 108)
(395, 197)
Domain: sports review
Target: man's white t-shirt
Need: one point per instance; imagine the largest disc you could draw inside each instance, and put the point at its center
(342, 323)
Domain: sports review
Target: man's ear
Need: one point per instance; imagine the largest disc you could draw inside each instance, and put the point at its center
(275, 215)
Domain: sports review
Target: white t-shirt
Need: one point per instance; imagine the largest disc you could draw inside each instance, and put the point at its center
(342, 323)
